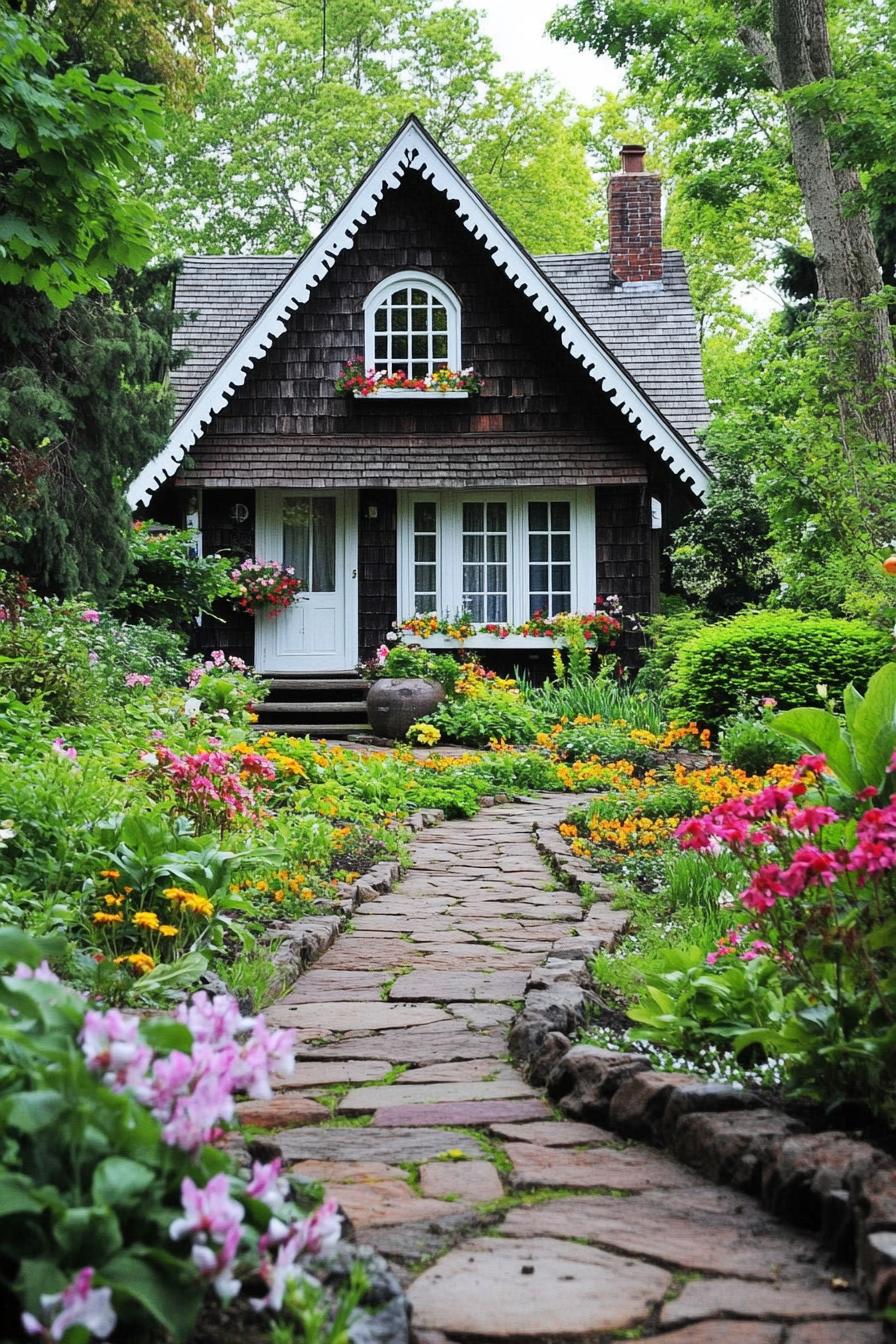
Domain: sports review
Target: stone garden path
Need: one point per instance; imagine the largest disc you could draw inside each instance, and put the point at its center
(506, 1222)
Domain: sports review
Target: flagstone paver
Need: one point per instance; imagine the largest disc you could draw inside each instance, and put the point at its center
(428, 1137)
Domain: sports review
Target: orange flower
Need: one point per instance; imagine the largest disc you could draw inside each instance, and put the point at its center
(109, 872)
(100, 917)
(140, 961)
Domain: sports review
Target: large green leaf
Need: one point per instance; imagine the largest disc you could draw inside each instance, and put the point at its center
(120, 1181)
(31, 1112)
(91, 1227)
(163, 1293)
(17, 1195)
(874, 725)
(18, 946)
(820, 731)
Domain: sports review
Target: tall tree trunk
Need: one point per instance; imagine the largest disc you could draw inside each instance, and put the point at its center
(799, 54)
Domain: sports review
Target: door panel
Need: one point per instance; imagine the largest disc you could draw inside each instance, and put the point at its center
(316, 535)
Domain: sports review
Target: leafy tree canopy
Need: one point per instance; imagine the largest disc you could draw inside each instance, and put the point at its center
(291, 117)
(69, 146)
(164, 42)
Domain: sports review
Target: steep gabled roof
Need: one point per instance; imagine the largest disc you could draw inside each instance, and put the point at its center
(224, 359)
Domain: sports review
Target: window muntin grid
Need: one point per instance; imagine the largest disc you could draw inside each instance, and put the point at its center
(484, 559)
(426, 552)
(410, 332)
(550, 556)
(462, 564)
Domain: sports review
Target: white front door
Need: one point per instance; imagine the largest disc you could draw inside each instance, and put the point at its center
(314, 531)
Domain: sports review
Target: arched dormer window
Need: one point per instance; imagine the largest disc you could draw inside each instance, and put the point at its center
(411, 323)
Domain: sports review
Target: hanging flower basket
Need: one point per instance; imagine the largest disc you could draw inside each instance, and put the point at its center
(265, 586)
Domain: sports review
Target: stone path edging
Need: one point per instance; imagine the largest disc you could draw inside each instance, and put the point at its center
(843, 1188)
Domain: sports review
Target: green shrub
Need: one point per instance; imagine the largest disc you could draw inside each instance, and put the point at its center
(782, 655)
(664, 635)
(169, 582)
(50, 666)
(752, 746)
(404, 660)
(581, 741)
(474, 721)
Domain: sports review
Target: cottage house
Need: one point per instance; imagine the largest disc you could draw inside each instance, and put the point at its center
(559, 480)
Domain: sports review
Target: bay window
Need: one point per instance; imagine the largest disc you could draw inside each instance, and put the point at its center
(498, 555)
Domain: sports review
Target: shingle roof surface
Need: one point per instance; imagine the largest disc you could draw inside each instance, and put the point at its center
(650, 328)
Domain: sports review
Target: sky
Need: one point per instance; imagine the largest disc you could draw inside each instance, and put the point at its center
(517, 29)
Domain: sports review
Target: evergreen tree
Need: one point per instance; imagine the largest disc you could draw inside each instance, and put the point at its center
(83, 399)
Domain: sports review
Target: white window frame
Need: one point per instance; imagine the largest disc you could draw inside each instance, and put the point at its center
(419, 280)
(449, 549)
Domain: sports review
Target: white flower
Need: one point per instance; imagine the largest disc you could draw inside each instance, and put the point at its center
(192, 706)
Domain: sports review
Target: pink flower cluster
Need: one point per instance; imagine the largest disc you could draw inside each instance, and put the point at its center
(213, 783)
(190, 1094)
(213, 1220)
(217, 661)
(777, 817)
(61, 749)
(137, 679)
(79, 1304)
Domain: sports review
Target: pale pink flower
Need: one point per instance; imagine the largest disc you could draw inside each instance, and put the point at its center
(90, 616)
(80, 1305)
(41, 972)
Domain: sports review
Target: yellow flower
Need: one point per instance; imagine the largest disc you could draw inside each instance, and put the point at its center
(109, 872)
(113, 900)
(141, 962)
(306, 894)
(146, 919)
(190, 900)
(168, 930)
(200, 905)
(100, 917)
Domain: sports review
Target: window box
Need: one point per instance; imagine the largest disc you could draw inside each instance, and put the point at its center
(532, 642)
(409, 394)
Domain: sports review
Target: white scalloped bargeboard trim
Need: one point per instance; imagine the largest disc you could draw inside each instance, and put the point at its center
(413, 149)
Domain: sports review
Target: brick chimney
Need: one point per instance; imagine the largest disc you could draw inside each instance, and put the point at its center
(633, 199)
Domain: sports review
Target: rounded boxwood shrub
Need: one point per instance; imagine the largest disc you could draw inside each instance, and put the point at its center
(784, 655)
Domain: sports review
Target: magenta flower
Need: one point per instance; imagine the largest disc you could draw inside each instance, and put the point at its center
(61, 749)
(137, 679)
(79, 1304)
(90, 616)
(811, 819)
(209, 1211)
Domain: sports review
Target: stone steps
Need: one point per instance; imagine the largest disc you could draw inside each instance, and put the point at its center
(317, 705)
